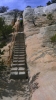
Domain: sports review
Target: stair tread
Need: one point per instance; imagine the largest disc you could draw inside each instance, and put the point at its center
(18, 65)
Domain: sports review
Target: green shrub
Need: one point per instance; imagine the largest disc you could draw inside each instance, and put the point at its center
(50, 16)
(48, 3)
(2, 22)
(39, 6)
(44, 15)
(2, 44)
(6, 30)
(53, 1)
(53, 38)
(2, 66)
(1, 52)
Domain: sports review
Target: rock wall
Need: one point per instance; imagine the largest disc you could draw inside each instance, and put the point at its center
(8, 17)
(41, 54)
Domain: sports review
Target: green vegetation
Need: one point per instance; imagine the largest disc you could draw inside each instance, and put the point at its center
(28, 6)
(50, 16)
(39, 6)
(2, 66)
(16, 11)
(50, 2)
(5, 30)
(53, 38)
(2, 44)
(1, 52)
(3, 9)
(44, 15)
(21, 22)
(53, 1)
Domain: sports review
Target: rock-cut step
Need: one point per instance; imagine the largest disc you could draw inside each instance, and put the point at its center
(18, 73)
(19, 65)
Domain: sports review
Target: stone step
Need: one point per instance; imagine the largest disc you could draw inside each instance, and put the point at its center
(22, 61)
(18, 53)
(21, 41)
(22, 48)
(18, 61)
(20, 35)
(21, 75)
(19, 58)
(19, 50)
(17, 65)
(19, 69)
(19, 45)
(17, 42)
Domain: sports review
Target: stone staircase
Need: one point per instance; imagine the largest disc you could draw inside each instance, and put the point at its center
(19, 66)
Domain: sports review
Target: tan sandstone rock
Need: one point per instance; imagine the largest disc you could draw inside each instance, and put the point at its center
(41, 58)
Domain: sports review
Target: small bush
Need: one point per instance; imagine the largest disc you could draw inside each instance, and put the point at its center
(39, 6)
(48, 3)
(53, 38)
(2, 52)
(50, 16)
(53, 1)
(44, 15)
(7, 29)
(2, 66)
(28, 7)
(2, 44)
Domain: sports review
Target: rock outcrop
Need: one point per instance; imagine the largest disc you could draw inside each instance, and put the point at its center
(41, 52)
(37, 16)
(8, 17)
(17, 25)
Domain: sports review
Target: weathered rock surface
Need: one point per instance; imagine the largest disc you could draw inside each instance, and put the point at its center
(41, 56)
(8, 17)
(36, 15)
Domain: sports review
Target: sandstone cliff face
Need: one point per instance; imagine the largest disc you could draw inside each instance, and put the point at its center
(8, 17)
(41, 53)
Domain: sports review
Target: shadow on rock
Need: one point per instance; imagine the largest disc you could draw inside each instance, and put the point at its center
(10, 88)
(33, 84)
